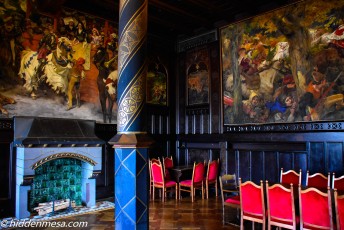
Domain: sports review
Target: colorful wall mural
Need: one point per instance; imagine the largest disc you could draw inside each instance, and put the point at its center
(49, 65)
(285, 65)
(157, 83)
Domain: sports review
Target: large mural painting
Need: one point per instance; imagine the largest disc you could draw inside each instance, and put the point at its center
(63, 66)
(286, 65)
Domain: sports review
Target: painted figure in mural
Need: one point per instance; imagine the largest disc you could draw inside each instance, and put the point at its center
(80, 33)
(248, 70)
(56, 68)
(254, 109)
(77, 72)
(9, 43)
(99, 59)
(70, 29)
(46, 45)
(96, 38)
(283, 109)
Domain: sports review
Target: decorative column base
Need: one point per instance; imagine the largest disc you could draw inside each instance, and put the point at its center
(131, 181)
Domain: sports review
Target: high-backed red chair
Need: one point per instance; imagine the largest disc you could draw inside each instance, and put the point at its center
(338, 183)
(159, 181)
(196, 181)
(290, 177)
(281, 208)
(315, 209)
(211, 178)
(339, 207)
(252, 203)
(229, 193)
(168, 163)
(318, 180)
(153, 160)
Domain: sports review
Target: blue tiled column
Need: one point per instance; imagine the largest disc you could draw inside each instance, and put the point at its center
(131, 142)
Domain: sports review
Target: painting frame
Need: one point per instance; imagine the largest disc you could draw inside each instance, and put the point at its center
(247, 44)
(157, 83)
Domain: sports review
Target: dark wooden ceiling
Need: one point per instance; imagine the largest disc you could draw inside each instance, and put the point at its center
(181, 18)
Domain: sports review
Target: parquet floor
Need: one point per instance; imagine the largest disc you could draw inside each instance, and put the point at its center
(182, 214)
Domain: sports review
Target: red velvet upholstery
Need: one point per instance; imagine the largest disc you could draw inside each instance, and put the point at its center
(233, 200)
(318, 180)
(168, 163)
(151, 161)
(252, 202)
(281, 211)
(159, 181)
(338, 183)
(339, 206)
(211, 178)
(195, 183)
(290, 177)
(315, 208)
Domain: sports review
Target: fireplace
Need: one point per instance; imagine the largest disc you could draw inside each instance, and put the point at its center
(43, 144)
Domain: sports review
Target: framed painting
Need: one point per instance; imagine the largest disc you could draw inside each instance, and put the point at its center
(285, 65)
(49, 65)
(157, 83)
(197, 73)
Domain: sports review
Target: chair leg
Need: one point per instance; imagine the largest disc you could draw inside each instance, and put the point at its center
(179, 191)
(216, 188)
(153, 192)
(241, 223)
(207, 189)
(192, 193)
(176, 190)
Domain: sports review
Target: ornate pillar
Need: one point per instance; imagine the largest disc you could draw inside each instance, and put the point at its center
(131, 142)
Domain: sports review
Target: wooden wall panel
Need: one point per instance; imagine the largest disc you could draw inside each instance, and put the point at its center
(257, 166)
(335, 157)
(317, 157)
(271, 166)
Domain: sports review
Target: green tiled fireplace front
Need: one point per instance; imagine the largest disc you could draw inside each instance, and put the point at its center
(55, 180)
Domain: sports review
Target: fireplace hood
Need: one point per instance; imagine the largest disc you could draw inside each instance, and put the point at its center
(54, 132)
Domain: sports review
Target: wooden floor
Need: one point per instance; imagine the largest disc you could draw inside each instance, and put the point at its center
(183, 214)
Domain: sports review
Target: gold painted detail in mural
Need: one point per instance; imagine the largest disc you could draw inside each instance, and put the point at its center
(131, 39)
(131, 102)
(63, 155)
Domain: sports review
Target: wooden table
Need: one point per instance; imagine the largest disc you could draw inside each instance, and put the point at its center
(181, 172)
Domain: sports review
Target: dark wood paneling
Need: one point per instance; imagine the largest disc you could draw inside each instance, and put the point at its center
(271, 166)
(257, 170)
(335, 158)
(317, 157)
(7, 169)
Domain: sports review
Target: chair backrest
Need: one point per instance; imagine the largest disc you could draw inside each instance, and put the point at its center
(198, 172)
(339, 207)
(213, 169)
(280, 203)
(290, 177)
(150, 162)
(338, 183)
(252, 198)
(157, 173)
(228, 184)
(318, 180)
(168, 162)
(315, 208)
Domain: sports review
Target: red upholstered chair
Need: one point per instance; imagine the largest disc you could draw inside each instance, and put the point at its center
(168, 163)
(338, 183)
(281, 208)
(159, 181)
(290, 177)
(252, 203)
(212, 174)
(153, 160)
(318, 180)
(229, 193)
(315, 209)
(196, 181)
(339, 207)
